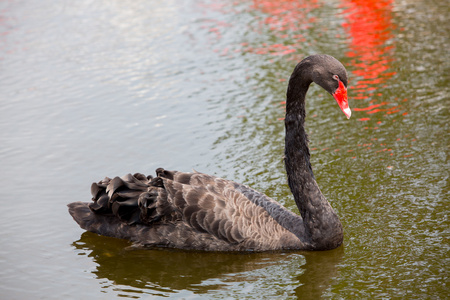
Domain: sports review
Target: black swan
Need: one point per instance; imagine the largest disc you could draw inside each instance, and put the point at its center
(203, 212)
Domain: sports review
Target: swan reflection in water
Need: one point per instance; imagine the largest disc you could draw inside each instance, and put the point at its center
(165, 272)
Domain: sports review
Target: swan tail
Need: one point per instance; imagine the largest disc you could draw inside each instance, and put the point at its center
(81, 213)
(107, 225)
(130, 199)
(110, 225)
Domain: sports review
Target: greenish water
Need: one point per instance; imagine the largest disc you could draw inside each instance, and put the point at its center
(94, 89)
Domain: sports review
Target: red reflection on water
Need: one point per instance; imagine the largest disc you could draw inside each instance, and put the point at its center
(283, 29)
(370, 26)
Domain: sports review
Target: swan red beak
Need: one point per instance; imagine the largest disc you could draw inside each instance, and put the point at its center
(341, 98)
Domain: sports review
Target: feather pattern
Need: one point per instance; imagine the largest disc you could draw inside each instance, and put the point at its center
(213, 213)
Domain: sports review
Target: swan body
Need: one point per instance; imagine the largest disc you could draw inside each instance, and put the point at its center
(196, 211)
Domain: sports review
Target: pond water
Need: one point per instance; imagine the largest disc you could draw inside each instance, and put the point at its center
(90, 89)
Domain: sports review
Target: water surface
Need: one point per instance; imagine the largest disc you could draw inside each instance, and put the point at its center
(93, 89)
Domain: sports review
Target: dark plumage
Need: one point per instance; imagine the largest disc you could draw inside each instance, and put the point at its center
(203, 212)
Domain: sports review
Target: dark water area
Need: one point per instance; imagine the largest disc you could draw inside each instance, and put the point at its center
(90, 89)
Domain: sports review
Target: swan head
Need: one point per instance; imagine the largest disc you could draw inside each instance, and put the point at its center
(331, 75)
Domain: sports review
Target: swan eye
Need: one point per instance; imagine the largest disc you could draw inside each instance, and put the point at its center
(335, 77)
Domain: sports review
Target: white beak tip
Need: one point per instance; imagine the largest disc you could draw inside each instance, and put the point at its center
(348, 112)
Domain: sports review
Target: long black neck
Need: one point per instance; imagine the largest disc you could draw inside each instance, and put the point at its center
(297, 156)
(322, 225)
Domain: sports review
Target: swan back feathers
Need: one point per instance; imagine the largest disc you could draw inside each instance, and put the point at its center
(204, 212)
